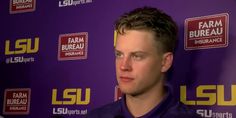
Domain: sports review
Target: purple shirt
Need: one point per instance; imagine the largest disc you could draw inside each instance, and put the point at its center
(168, 108)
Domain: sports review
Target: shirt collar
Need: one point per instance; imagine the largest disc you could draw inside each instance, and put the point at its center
(156, 111)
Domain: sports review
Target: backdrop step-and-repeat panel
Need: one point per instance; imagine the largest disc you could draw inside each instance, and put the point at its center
(57, 56)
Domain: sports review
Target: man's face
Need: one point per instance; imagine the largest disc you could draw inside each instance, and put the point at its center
(138, 62)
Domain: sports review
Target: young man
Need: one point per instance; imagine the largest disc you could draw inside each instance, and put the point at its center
(144, 49)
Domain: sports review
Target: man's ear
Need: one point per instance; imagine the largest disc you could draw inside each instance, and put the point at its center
(167, 59)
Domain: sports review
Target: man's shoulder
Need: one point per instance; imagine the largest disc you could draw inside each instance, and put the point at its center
(179, 110)
(108, 107)
(106, 111)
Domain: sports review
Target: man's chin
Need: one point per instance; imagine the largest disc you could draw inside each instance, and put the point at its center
(126, 90)
(129, 92)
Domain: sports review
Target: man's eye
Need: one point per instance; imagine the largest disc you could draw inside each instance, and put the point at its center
(118, 55)
(137, 57)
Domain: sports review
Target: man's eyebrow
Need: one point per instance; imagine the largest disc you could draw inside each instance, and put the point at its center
(117, 50)
(134, 52)
(139, 52)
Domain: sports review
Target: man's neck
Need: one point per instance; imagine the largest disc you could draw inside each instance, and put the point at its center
(142, 104)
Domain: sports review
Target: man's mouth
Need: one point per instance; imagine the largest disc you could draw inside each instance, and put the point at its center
(126, 79)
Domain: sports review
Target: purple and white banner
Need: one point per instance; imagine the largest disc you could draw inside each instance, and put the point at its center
(57, 57)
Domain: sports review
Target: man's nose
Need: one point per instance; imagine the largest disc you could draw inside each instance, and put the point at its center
(126, 64)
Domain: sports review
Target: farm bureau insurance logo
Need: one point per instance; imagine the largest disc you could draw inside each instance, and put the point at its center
(206, 32)
(21, 6)
(66, 3)
(23, 48)
(73, 46)
(17, 101)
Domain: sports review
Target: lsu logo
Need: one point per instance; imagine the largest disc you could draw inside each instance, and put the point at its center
(22, 46)
(209, 95)
(72, 96)
(65, 3)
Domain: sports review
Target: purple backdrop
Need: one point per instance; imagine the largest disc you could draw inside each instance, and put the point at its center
(198, 69)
